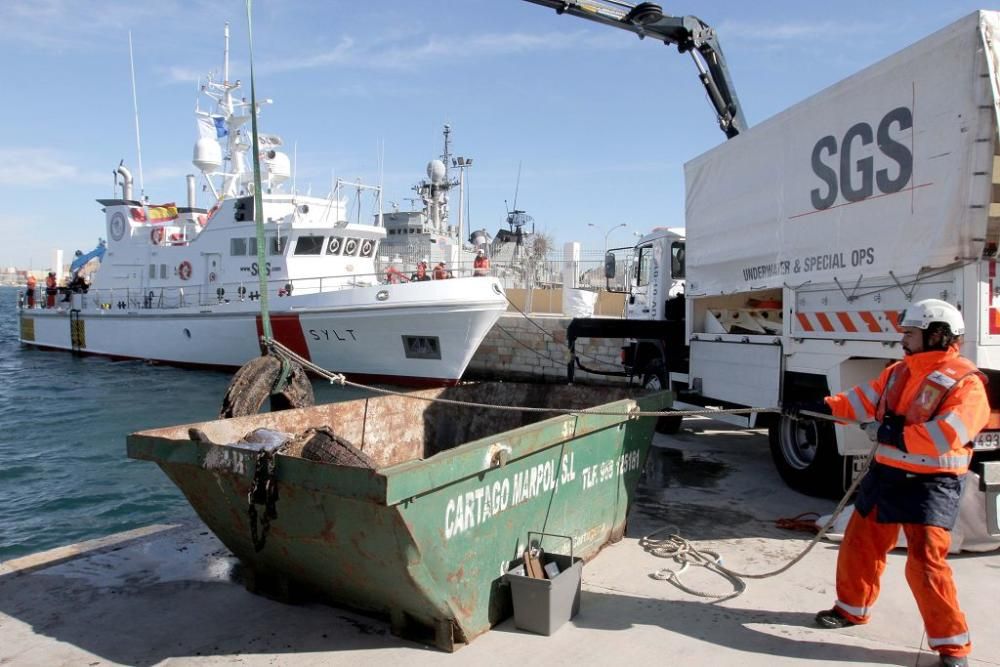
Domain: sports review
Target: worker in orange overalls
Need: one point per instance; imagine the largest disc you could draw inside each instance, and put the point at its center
(925, 411)
(51, 290)
(481, 264)
(30, 293)
(440, 272)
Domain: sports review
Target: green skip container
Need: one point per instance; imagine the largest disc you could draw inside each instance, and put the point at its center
(424, 536)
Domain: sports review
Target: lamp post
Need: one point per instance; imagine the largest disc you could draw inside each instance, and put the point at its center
(461, 163)
(608, 233)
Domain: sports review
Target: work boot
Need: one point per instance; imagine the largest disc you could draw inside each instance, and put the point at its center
(831, 618)
(954, 661)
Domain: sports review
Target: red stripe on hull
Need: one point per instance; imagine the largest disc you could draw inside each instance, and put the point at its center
(288, 331)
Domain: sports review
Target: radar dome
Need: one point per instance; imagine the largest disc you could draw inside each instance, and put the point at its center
(436, 171)
(279, 167)
(207, 155)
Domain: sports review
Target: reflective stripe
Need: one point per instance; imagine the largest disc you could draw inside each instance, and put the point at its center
(942, 443)
(952, 461)
(954, 640)
(869, 393)
(851, 609)
(860, 412)
(937, 377)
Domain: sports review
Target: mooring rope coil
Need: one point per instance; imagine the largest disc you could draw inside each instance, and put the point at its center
(681, 550)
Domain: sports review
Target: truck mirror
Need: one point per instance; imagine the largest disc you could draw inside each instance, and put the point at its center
(609, 265)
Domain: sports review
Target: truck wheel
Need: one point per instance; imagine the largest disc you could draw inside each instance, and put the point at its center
(655, 379)
(805, 453)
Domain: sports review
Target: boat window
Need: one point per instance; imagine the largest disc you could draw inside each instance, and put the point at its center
(351, 247)
(334, 245)
(163, 271)
(152, 270)
(309, 245)
(367, 248)
(278, 244)
(237, 247)
(252, 245)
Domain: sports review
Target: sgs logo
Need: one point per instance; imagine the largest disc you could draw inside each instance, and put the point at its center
(841, 176)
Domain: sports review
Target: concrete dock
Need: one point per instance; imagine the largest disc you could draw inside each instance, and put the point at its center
(172, 594)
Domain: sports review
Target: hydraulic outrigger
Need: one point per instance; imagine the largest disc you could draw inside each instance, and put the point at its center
(689, 33)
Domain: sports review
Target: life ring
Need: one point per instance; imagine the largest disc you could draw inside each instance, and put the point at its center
(184, 270)
(156, 235)
(211, 277)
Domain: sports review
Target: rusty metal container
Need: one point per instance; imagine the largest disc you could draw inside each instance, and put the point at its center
(425, 536)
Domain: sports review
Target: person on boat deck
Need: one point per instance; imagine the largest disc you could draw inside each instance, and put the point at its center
(481, 264)
(393, 274)
(927, 410)
(32, 284)
(51, 290)
(421, 273)
(440, 272)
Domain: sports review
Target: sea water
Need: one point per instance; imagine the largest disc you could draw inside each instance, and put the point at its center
(64, 474)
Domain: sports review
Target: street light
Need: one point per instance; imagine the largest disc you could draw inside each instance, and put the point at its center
(608, 233)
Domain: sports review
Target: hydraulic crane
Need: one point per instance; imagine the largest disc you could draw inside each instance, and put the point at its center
(689, 33)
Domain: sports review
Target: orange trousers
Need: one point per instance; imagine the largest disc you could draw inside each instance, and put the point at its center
(862, 560)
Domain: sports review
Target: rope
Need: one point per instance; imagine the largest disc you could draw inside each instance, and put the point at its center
(338, 378)
(680, 550)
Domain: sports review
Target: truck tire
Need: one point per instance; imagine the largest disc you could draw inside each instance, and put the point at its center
(805, 454)
(654, 378)
(251, 386)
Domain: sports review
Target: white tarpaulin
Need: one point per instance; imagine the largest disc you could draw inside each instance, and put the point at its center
(877, 172)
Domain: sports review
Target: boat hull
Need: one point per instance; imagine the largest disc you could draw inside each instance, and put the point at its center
(412, 334)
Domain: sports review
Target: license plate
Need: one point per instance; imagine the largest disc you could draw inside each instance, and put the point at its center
(987, 440)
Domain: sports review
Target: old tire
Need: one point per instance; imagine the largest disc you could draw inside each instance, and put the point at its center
(325, 446)
(805, 453)
(655, 379)
(251, 386)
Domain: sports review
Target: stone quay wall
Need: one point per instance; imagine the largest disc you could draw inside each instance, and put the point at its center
(516, 350)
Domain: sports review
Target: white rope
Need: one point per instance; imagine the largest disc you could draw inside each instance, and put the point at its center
(684, 553)
(339, 378)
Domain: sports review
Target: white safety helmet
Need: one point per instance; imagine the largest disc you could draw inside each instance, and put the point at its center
(922, 313)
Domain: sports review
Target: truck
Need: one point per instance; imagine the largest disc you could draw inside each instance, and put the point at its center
(808, 235)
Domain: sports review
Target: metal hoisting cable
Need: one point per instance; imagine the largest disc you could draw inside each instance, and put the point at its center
(258, 212)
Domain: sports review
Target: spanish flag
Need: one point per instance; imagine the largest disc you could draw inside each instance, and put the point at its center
(158, 214)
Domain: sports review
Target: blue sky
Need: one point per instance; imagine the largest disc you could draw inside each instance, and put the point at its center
(600, 122)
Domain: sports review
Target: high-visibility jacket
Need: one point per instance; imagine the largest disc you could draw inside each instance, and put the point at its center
(943, 399)
(480, 265)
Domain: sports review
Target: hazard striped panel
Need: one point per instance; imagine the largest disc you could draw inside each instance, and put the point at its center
(849, 321)
(994, 313)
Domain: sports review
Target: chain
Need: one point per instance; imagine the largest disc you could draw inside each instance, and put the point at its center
(263, 491)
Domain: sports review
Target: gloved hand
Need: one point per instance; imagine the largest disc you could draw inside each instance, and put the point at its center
(890, 431)
(794, 409)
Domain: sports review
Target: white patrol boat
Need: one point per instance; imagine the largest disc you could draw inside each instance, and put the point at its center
(180, 285)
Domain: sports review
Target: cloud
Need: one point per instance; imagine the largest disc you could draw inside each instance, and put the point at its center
(33, 167)
(67, 25)
(390, 55)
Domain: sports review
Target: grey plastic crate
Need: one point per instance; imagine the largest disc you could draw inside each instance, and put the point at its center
(543, 605)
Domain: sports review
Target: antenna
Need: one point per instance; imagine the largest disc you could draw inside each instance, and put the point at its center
(381, 174)
(135, 108)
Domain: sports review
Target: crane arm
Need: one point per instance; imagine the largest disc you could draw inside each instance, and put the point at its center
(689, 33)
